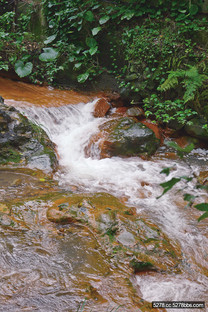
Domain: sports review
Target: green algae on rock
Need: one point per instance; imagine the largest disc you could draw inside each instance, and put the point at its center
(126, 237)
(23, 141)
(127, 137)
(197, 128)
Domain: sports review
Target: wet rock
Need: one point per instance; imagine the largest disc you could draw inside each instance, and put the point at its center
(21, 140)
(121, 111)
(42, 162)
(175, 125)
(126, 238)
(153, 127)
(10, 222)
(60, 215)
(123, 236)
(126, 137)
(107, 223)
(101, 108)
(198, 128)
(135, 112)
(203, 178)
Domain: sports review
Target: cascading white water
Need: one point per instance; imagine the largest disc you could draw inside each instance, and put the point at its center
(70, 128)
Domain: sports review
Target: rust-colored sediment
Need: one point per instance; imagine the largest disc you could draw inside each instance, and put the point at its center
(39, 95)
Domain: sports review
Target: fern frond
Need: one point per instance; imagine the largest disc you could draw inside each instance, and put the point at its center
(169, 83)
(190, 79)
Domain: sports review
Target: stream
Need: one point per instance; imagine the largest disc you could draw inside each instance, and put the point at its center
(44, 271)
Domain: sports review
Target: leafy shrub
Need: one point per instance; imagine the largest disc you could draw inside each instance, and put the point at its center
(165, 111)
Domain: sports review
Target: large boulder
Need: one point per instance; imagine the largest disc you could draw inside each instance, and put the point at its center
(21, 140)
(124, 235)
(198, 128)
(127, 137)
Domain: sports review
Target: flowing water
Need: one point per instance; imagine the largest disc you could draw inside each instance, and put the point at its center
(26, 258)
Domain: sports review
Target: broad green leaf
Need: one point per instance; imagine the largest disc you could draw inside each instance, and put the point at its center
(96, 30)
(205, 215)
(188, 179)
(193, 9)
(182, 11)
(91, 42)
(189, 197)
(89, 16)
(4, 66)
(79, 28)
(166, 171)
(180, 150)
(25, 58)
(202, 207)
(83, 77)
(48, 55)
(22, 69)
(50, 39)
(104, 19)
(93, 50)
(127, 15)
(168, 185)
(71, 58)
(77, 65)
(78, 50)
(96, 7)
(186, 149)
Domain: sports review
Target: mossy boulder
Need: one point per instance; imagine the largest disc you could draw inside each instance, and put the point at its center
(21, 140)
(198, 128)
(127, 137)
(125, 236)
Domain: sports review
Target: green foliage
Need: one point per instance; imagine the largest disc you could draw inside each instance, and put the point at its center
(23, 69)
(159, 42)
(9, 155)
(167, 186)
(202, 207)
(191, 80)
(166, 110)
(48, 55)
(181, 151)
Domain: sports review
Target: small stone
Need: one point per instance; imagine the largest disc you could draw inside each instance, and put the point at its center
(126, 238)
(135, 112)
(101, 108)
(60, 216)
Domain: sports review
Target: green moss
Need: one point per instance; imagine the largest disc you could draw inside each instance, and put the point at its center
(9, 155)
(140, 266)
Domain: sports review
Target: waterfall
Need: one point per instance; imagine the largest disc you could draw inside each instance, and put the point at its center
(70, 127)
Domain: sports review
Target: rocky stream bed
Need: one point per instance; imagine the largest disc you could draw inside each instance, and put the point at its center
(79, 218)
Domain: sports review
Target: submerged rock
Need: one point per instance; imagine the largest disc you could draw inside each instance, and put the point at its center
(21, 140)
(127, 137)
(126, 237)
